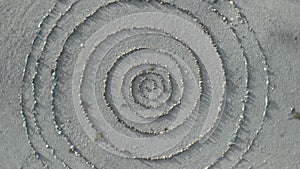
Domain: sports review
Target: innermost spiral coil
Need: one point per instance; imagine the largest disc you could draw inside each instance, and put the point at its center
(146, 89)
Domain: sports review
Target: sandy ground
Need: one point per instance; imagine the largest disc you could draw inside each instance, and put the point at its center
(276, 25)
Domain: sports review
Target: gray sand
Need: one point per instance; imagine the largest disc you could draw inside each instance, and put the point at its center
(176, 84)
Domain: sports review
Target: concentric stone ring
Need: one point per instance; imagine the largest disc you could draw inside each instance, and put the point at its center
(135, 81)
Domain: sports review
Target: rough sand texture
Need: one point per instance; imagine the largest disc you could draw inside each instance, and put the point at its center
(136, 84)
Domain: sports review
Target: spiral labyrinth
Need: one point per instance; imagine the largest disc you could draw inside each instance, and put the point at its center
(144, 83)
